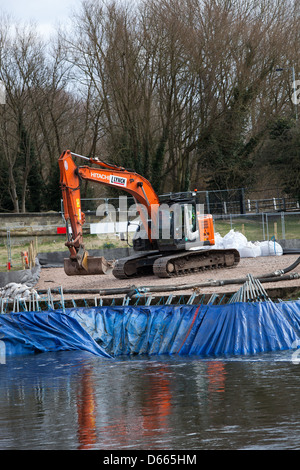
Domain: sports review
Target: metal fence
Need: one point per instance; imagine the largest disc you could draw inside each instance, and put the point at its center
(258, 219)
(240, 201)
(256, 227)
(263, 226)
(224, 203)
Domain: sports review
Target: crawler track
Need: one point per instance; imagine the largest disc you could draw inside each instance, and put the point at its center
(175, 264)
(136, 265)
(194, 261)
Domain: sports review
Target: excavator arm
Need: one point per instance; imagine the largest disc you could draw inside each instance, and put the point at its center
(110, 175)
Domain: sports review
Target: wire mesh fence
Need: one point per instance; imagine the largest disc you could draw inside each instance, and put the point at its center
(259, 219)
(221, 202)
(263, 226)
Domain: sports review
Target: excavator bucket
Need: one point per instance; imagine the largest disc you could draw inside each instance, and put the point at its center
(90, 265)
(84, 261)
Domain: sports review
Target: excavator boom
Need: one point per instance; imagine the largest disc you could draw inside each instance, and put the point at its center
(109, 175)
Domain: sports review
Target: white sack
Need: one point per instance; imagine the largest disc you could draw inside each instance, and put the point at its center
(250, 250)
(270, 248)
(234, 239)
(247, 249)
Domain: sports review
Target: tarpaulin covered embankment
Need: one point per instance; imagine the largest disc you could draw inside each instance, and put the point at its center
(28, 332)
(203, 330)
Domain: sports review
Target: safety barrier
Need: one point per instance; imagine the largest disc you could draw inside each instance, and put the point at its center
(248, 323)
(202, 330)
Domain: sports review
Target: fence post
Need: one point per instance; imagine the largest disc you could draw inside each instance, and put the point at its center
(263, 224)
(267, 224)
(242, 201)
(9, 261)
(283, 225)
(207, 203)
(275, 230)
(257, 208)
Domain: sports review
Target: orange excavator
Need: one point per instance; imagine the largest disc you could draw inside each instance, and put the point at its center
(174, 237)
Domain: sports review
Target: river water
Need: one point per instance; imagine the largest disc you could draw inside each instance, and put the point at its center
(73, 400)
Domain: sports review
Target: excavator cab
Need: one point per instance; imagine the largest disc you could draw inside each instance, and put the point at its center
(179, 225)
(182, 225)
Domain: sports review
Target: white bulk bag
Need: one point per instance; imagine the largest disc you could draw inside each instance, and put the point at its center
(250, 250)
(234, 239)
(270, 248)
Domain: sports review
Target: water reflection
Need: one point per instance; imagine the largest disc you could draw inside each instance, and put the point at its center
(86, 410)
(73, 400)
(134, 411)
(216, 376)
(158, 397)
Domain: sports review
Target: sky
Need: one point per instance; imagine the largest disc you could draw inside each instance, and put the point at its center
(45, 13)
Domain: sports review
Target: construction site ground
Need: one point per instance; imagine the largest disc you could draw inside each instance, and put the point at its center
(55, 278)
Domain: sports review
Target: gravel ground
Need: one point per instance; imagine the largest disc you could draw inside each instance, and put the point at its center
(56, 277)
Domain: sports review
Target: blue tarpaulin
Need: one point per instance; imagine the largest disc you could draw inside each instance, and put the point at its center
(28, 332)
(203, 330)
(206, 330)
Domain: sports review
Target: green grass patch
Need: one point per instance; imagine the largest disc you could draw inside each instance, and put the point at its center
(253, 228)
(51, 245)
(257, 229)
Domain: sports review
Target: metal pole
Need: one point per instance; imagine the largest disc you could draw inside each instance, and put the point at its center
(207, 202)
(263, 226)
(283, 225)
(8, 249)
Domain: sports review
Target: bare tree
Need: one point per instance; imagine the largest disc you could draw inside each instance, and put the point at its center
(182, 91)
(19, 60)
